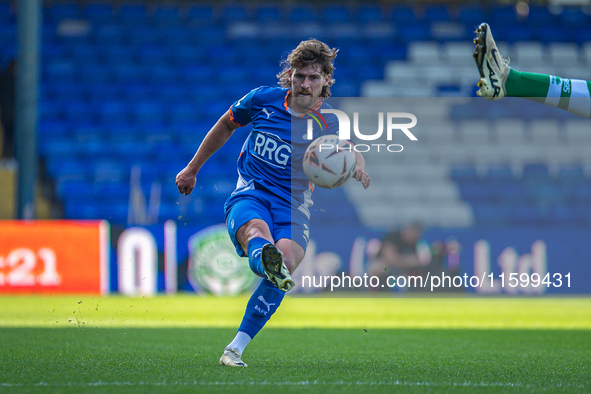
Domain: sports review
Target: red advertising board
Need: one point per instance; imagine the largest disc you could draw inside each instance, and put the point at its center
(54, 256)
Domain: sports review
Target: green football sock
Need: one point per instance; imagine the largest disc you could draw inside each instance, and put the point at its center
(572, 95)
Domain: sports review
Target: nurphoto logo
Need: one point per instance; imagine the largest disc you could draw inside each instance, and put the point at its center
(344, 131)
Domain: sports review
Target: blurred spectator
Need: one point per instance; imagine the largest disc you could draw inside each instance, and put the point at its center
(398, 254)
(404, 254)
(7, 107)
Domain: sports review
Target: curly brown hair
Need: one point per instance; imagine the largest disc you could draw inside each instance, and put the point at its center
(309, 52)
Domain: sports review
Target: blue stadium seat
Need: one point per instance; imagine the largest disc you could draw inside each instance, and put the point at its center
(499, 173)
(436, 13)
(552, 34)
(132, 14)
(367, 14)
(96, 149)
(86, 134)
(76, 189)
(166, 15)
(403, 15)
(303, 14)
(171, 94)
(109, 35)
(269, 13)
(7, 33)
(186, 56)
(476, 192)
(581, 195)
(526, 215)
(53, 130)
(416, 32)
(345, 89)
(574, 16)
(113, 212)
(537, 172)
(145, 36)
(336, 14)
(175, 37)
(99, 13)
(100, 93)
(115, 54)
(471, 15)
(540, 17)
(503, 16)
(60, 11)
(94, 74)
(572, 174)
(81, 210)
(108, 171)
(6, 14)
(491, 215)
(210, 36)
(235, 13)
(561, 215)
(161, 75)
(511, 193)
(111, 112)
(148, 113)
(129, 74)
(76, 111)
(65, 168)
(59, 72)
(51, 111)
(57, 148)
(82, 55)
(184, 114)
(464, 173)
(118, 132)
(200, 15)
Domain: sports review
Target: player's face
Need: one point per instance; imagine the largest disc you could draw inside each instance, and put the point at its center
(307, 84)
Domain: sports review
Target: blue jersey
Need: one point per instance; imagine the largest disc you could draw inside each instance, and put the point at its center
(271, 157)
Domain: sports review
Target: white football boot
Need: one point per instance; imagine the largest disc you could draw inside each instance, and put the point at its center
(493, 68)
(231, 358)
(273, 264)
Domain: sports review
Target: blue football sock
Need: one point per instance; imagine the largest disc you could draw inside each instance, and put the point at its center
(262, 304)
(255, 247)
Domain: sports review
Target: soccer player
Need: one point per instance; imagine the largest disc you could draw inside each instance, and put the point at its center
(498, 80)
(267, 215)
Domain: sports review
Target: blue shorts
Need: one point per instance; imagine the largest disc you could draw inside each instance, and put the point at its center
(283, 220)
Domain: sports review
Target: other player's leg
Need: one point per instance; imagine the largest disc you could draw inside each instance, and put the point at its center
(498, 80)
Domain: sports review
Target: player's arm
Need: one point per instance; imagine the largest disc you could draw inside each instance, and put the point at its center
(360, 174)
(214, 140)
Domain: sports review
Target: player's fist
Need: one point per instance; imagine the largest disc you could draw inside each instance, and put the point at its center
(363, 177)
(185, 181)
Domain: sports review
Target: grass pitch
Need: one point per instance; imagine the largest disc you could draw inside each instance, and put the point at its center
(172, 345)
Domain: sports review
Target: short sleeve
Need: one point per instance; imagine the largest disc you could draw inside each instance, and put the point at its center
(241, 109)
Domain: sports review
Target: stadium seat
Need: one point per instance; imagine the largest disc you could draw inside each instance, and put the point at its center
(268, 13)
(236, 13)
(166, 15)
(6, 14)
(471, 15)
(369, 14)
(60, 11)
(98, 13)
(132, 14)
(540, 17)
(436, 13)
(336, 14)
(200, 15)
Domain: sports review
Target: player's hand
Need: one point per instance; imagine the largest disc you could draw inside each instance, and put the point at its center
(185, 181)
(363, 177)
